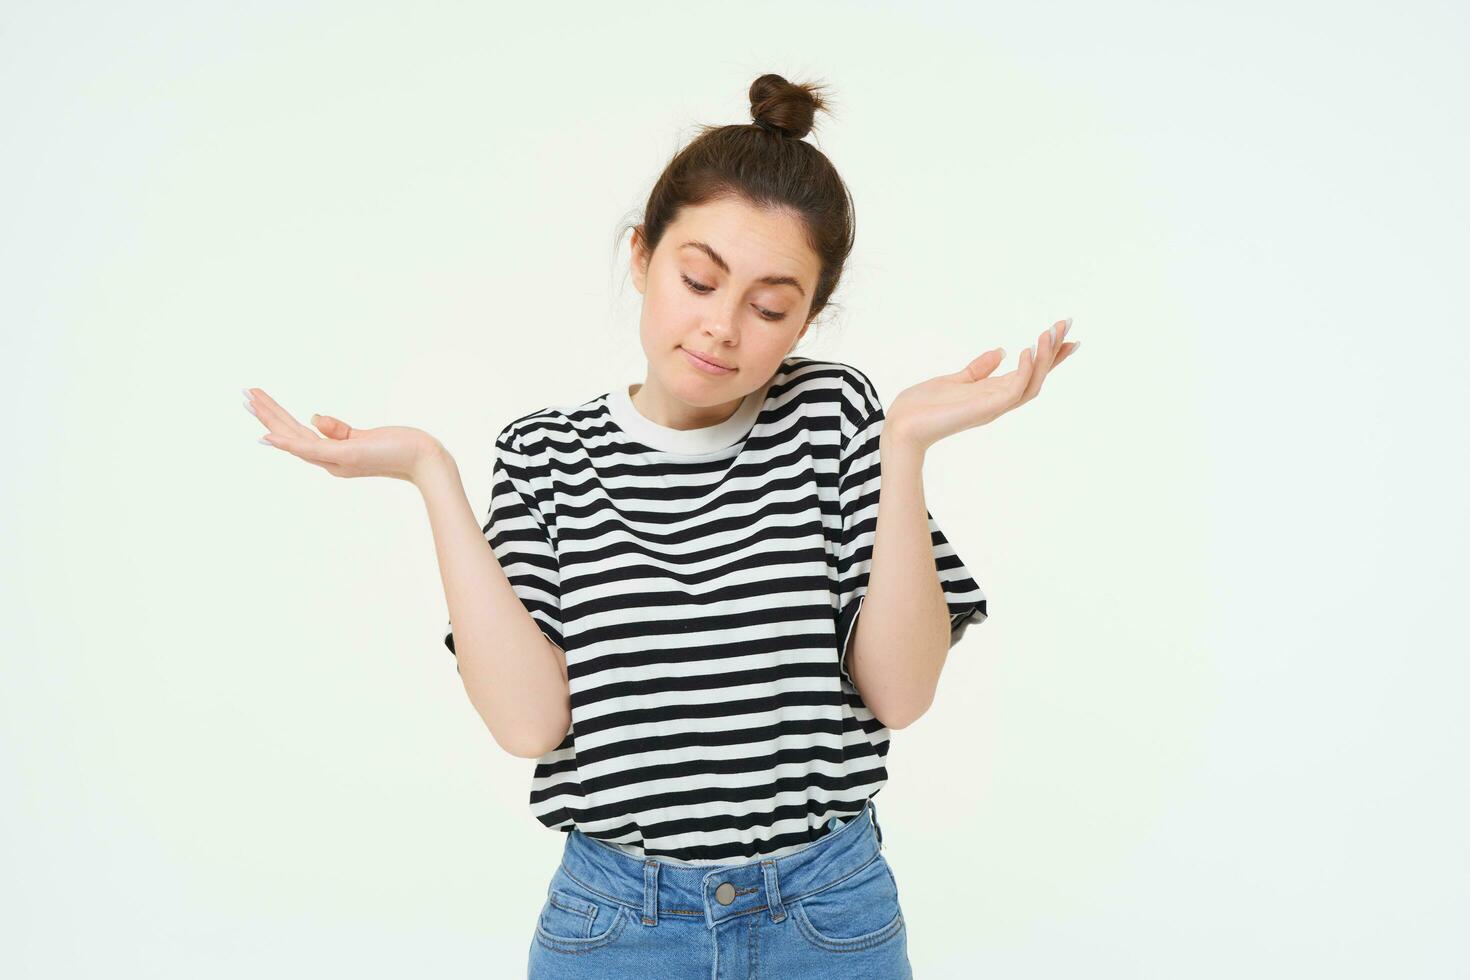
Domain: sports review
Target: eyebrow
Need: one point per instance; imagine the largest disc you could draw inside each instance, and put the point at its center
(770, 280)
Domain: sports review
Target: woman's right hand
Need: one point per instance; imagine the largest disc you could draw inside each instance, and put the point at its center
(393, 450)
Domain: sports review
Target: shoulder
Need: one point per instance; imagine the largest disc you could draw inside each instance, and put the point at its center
(844, 381)
(536, 433)
(847, 388)
(526, 430)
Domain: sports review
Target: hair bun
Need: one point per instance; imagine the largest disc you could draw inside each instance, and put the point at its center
(783, 107)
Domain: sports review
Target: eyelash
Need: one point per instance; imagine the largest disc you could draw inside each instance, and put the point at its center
(700, 289)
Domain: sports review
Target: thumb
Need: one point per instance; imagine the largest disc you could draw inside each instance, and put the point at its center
(330, 427)
(982, 366)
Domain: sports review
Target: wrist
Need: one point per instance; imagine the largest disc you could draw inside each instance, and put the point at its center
(897, 447)
(432, 464)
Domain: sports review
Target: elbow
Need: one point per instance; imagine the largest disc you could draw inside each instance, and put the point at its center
(898, 721)
(897, 717)
(535, 744)
(892, 723)
(522, 753)
(527, 719)
(528, 748)
(897, 710)
(915, 702)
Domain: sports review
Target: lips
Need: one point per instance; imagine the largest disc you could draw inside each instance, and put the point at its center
(708, 359)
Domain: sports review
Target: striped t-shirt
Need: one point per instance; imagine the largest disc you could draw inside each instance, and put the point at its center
(703, 585)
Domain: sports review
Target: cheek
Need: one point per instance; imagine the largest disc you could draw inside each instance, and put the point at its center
(666, 313)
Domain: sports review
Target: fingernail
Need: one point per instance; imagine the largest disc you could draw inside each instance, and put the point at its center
(246, 393)
(1068, 322)
(1076, 345)
(264, 441)
(251, 409)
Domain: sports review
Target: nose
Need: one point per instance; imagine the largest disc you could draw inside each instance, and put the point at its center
(721, 330)
(723, 318)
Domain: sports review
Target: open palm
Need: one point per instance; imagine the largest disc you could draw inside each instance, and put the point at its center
(391, 450)
(940, 407)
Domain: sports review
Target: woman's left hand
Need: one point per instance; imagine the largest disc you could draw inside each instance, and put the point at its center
(922, 415)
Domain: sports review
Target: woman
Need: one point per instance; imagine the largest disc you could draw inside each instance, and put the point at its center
(667, 617)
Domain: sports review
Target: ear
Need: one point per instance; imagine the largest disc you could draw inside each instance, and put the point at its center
(638, 261)
(797, 339)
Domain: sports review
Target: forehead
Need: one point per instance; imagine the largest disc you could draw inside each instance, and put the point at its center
(754, 241)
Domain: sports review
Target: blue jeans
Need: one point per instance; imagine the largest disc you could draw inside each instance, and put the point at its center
(829, 909)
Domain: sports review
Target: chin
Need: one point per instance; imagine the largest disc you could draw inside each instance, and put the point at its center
(693, 387)
(697, 394)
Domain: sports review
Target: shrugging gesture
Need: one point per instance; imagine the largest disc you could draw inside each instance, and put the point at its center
(395, 451)
(931, 410)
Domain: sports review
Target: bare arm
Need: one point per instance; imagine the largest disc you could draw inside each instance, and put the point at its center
(514, 675)
(901, 640)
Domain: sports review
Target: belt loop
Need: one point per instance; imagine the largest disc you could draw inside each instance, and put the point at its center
(650, 892)
(873, 813)
(773, 891)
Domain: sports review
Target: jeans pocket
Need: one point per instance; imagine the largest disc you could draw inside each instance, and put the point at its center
(858, 912)
(574, 919)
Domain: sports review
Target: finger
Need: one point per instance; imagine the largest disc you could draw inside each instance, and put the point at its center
(314, 449)
(333, 428)
(1053, 336)
(982, 366)
(330, 466)
(276, 418)
(1045, 352)
(1063, 328)
(1046, 346)
(1022, 374)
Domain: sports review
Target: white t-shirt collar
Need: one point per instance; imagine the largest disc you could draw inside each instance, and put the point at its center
(707, 439)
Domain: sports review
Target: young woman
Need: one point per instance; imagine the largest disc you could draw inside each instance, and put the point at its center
(667, 616)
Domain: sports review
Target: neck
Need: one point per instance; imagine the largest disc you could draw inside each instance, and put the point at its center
(658, 406)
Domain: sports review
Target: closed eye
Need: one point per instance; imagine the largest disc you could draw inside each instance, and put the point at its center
(701, 289)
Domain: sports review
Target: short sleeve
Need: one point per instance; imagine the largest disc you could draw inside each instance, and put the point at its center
(859, 480)
(518, 533)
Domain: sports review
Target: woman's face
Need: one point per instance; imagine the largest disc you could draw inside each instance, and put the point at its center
(728, 283)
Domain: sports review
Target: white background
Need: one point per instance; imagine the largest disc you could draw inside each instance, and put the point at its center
(1216, 723)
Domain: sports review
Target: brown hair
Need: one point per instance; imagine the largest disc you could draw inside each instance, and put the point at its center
(769, 164)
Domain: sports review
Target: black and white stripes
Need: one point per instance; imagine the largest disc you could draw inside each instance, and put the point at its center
(704, 585)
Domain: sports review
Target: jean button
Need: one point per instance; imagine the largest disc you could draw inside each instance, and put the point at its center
(725, 894)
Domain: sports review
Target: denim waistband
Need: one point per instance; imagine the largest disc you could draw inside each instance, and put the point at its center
(652, 888)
